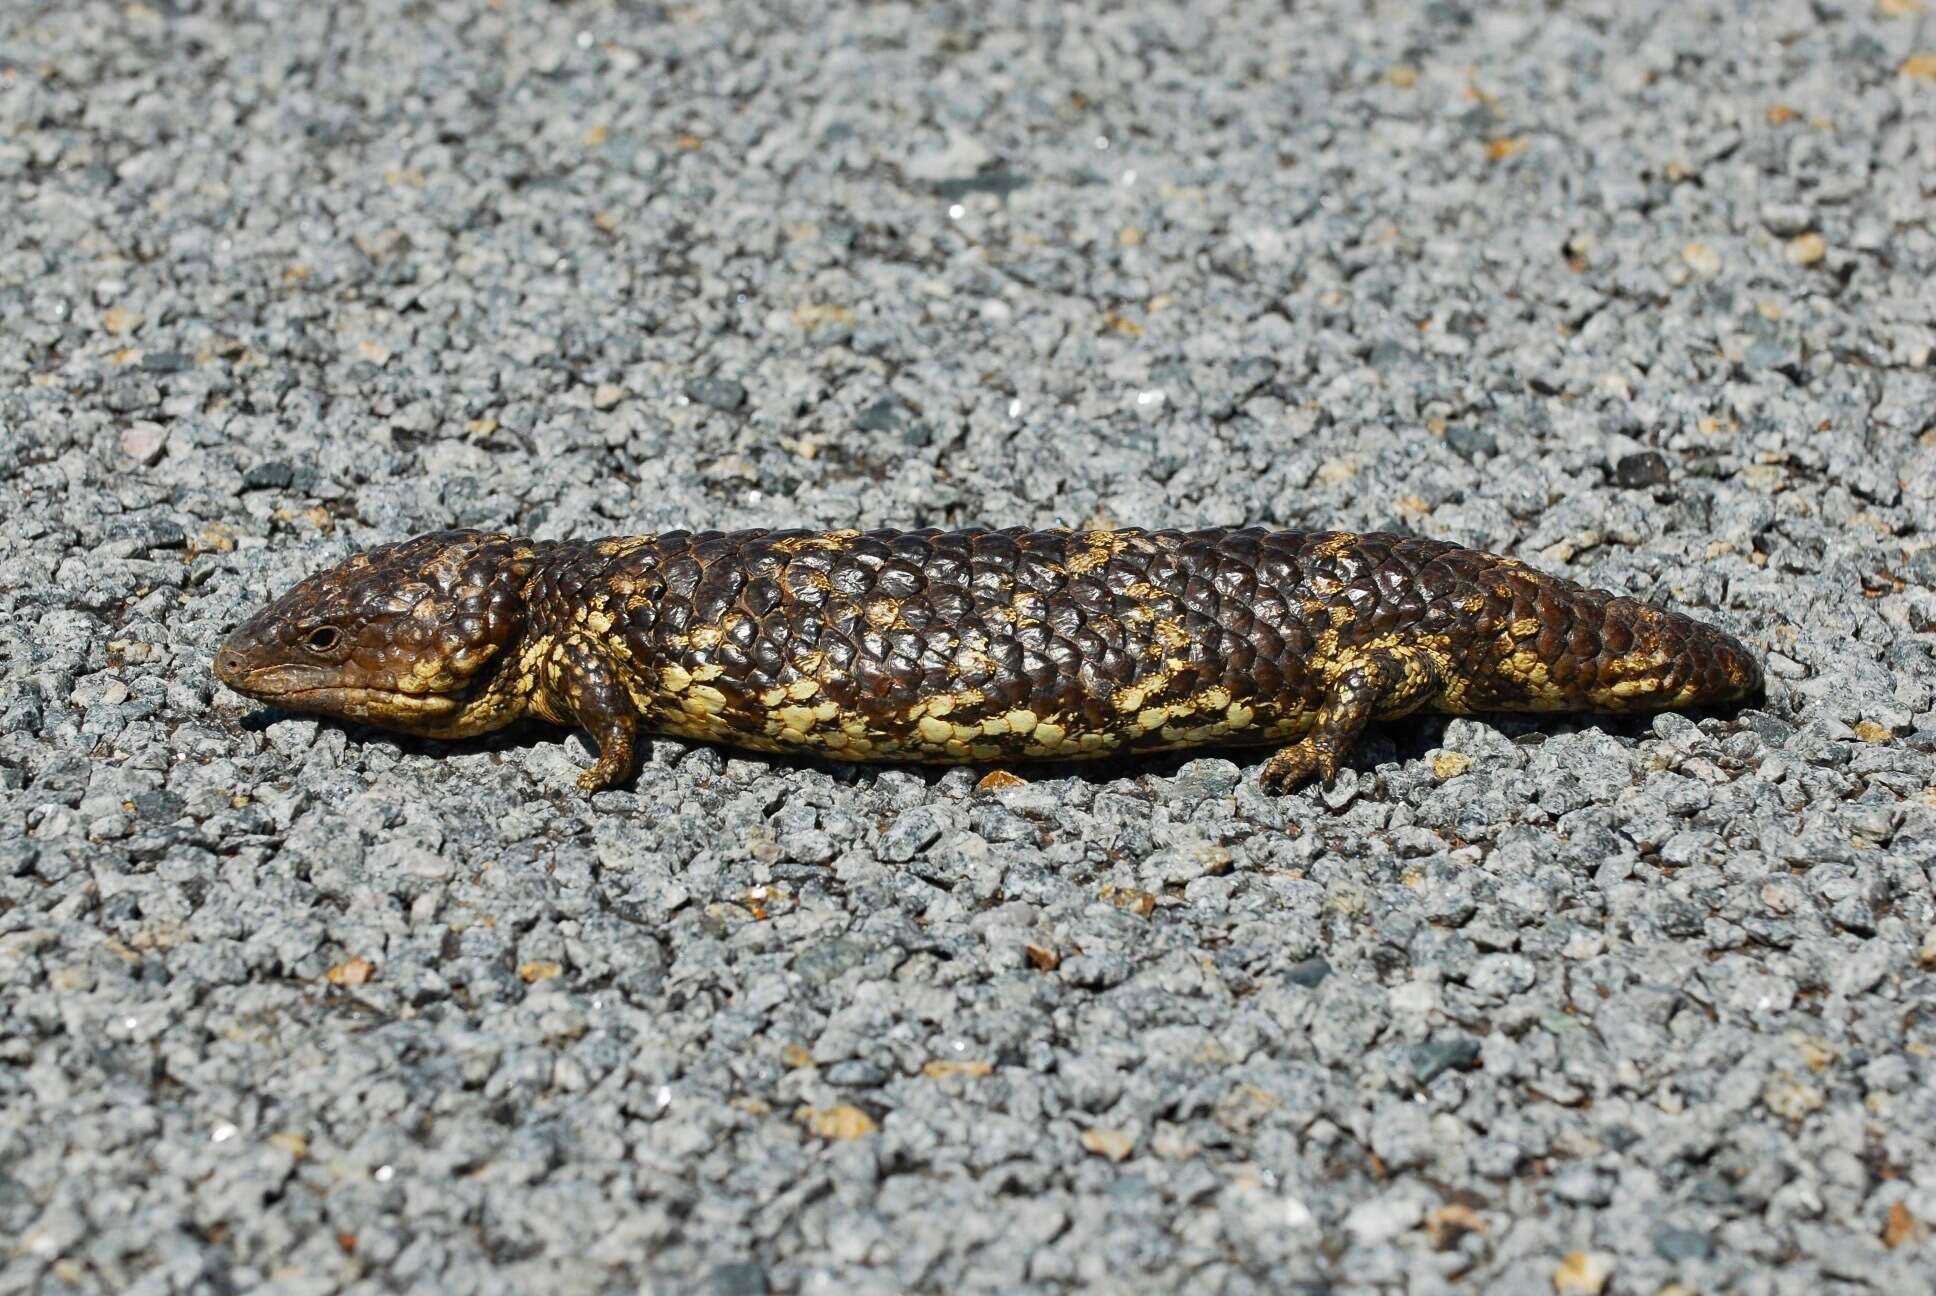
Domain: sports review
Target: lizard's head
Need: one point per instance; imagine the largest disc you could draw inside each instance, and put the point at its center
(411, 636)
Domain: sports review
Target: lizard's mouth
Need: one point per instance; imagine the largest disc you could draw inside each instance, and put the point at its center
(364, 703)
(297, 689)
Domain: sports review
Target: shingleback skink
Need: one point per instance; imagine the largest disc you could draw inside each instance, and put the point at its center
(963, 646)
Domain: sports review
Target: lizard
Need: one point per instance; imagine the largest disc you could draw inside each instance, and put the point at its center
(964, 646)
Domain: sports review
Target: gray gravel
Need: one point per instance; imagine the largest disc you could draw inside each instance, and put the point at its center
(1642, 293)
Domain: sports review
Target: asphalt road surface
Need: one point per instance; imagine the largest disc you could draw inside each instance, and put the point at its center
(1639, 292)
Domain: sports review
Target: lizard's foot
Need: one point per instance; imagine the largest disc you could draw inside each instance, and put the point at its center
(1314, 757)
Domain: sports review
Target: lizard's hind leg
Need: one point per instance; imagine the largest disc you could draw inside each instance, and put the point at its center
(1388, 683)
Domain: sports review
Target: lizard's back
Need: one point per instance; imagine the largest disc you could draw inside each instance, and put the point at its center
(989, 643)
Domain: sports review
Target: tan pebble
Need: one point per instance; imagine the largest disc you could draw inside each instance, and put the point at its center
(1450, 764)
(1902, 1226)
(1702, 260)
(291, 1142)
(838, 1122)
(1790, 1098)
(353, 973)
(606, 395)
(216, 537)
(941, 1070)
(1047, 960)
(1110, 1143)
(119, 321)
(1584, 1273)
(1871, 732)
(1450, 1223)
(539, 970)
(997, 780)
(1807, 249)
(811, 315)
(1920, 66)
(1817, 1053)
(373, 351)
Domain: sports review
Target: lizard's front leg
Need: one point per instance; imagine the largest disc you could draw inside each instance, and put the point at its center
(583, 685)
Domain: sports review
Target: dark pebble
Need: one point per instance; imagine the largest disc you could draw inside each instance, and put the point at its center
(1392, 355)
(1434, 1058)
(829, 959)
(995, 182)
(273, 475)
(1646, 468)
(18, 857)
(884, 415)
(912, 832)
(746, 1278)
(720, 393)
(1466, 441)
(153, 533)
(1682, 1244)
(1308, 973)
(1772, 730)
(159, 804)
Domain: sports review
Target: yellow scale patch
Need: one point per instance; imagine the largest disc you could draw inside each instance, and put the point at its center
(1098, 547)
(620, 546)
(828, 541)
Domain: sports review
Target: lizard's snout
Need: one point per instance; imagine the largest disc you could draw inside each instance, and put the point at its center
(229, 665)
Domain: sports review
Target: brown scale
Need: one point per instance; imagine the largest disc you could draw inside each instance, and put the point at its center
(966, 645)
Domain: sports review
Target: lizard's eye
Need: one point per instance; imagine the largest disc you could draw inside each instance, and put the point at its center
(323, 639)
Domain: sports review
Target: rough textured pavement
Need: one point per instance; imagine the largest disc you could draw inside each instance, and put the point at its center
(1642, 293)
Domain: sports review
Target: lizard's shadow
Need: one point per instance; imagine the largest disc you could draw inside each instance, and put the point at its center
(519, 734)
